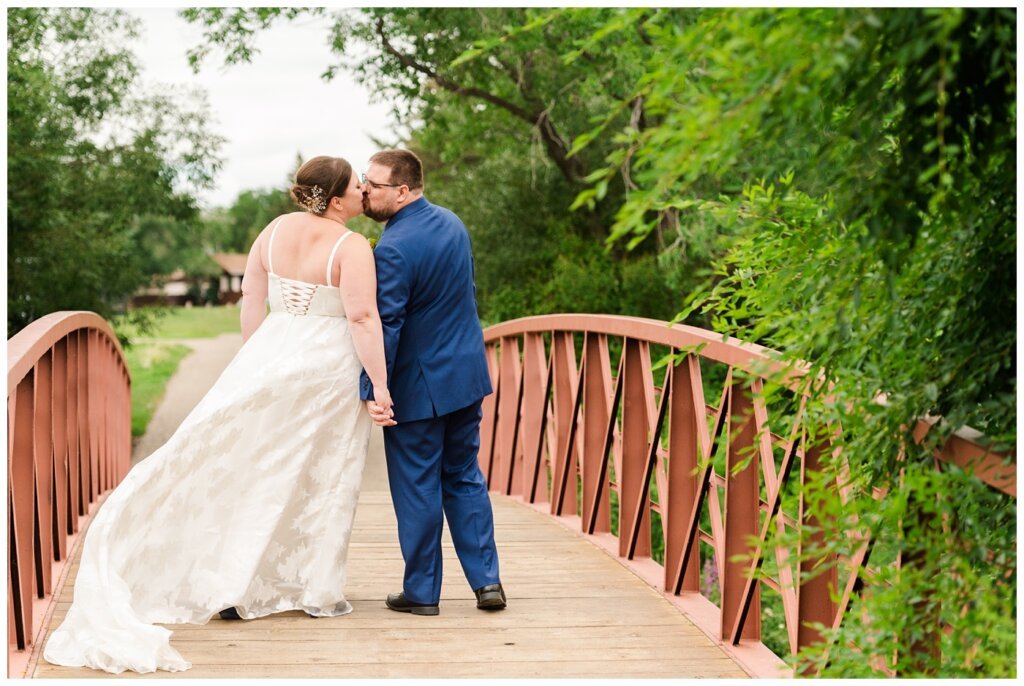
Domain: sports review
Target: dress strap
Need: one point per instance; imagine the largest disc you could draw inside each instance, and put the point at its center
(330, 260)
(270, 248)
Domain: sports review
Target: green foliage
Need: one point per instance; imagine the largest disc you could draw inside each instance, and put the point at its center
(89, 154)
(881, 251)
(493, 106)
(151, 367)
(234, 229)
(236, 29)
(176, 323)
(164, 244)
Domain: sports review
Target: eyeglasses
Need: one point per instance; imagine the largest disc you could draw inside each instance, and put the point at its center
(374, 184)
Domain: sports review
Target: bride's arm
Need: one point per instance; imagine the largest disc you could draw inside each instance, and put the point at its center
(359, 296)
(254, 291)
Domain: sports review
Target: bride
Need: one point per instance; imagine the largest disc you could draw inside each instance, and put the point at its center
(248, 507)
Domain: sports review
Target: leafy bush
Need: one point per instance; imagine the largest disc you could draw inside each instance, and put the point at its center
(884, 257)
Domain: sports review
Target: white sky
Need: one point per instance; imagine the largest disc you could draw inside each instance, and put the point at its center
(269, 109)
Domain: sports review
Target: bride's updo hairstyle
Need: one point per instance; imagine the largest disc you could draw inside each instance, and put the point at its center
(319, 180)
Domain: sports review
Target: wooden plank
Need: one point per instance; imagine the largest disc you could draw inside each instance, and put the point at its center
(371, 614)
(508, 647)
(645, 669)
(574, 611)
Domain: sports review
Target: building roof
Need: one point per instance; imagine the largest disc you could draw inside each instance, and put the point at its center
(231, 262)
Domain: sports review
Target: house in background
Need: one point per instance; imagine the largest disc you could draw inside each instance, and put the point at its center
(172, 289)
(232, 266)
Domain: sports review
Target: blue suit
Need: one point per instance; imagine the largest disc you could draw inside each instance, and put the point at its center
(437, 375)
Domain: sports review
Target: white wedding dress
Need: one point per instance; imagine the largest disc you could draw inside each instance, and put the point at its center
(249, 504)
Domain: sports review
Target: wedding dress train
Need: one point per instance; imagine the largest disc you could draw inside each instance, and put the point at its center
(249, 504)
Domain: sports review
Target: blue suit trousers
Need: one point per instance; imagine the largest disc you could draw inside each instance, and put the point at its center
(434, 474)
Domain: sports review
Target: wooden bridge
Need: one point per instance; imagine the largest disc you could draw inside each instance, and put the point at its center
(615, 527)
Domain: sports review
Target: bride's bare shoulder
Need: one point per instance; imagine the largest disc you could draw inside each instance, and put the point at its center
(356, 243)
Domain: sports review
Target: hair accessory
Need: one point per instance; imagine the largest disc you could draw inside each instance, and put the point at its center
(315, 202)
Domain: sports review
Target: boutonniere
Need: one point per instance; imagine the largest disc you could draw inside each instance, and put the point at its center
(373, 242)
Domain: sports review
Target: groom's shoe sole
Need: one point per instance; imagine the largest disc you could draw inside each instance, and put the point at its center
(398, 603)
(230, 614)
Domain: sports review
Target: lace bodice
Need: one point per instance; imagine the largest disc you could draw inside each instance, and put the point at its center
(302, 298)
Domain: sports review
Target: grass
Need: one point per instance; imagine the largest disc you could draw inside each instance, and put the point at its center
(152, 361)
(185, 322)
(151, 366)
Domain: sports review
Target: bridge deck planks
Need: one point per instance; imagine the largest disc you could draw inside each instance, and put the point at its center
(573, 612)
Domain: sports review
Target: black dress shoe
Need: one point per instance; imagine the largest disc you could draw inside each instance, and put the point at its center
(490, 597)
(399, 603)
(230, 613)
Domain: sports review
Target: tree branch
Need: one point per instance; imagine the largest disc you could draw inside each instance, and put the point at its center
(554, 144)
(448, 84)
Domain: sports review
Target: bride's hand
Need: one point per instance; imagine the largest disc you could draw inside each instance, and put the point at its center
(382, 396)
(380, 408)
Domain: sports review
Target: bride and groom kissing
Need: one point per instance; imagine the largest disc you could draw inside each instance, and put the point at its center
(248, 508)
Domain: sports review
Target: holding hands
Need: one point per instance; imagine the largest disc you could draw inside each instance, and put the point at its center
(380, 408)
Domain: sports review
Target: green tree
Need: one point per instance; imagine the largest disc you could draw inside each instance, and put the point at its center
(164, 244)
(860, 165)
(88, 153)
(495, 131)
(234, 228)
(248, 215)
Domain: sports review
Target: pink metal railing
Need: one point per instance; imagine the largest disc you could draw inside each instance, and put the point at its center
(68, 443)
(563, 436)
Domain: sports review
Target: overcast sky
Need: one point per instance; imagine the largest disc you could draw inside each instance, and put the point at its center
(272, 108)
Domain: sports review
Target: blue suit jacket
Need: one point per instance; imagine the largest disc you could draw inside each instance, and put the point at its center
(427, 301)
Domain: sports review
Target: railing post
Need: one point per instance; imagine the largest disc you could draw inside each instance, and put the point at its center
(925, 651)
(60, 449)
(508, 408)
(564, 388)
(102, 383)
(635, 426)
(688, 442)
(94, 388)
(816, 595)
(43, 464)
(21, 478)
(533, 476)
(12, 616)
(489, 420)
(742, 513)
(84, 463)
(74, 402)
(597, 386)
(126, 425)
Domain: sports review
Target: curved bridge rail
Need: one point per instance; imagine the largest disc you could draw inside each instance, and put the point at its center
(68, 443)
(577, 441)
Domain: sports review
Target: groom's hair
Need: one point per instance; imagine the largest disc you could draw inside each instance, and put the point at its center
(405, 167)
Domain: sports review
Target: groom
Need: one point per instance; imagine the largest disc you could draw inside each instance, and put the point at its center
(437, 374)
